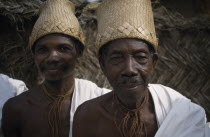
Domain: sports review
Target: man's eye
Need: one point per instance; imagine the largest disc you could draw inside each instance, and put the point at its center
(116, 59)
(40, 50)
(141, 59)
(65, 49)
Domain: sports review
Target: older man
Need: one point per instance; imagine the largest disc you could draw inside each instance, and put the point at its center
(47, 110)
(127, 46)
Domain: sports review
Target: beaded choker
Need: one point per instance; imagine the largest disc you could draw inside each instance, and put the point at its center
(55, 109)
(132, 124)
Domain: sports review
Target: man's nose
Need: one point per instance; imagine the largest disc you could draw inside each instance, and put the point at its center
(130, 69)
(53, 56)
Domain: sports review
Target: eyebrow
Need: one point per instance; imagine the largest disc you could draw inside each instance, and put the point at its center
(140, 51)
(115, 52)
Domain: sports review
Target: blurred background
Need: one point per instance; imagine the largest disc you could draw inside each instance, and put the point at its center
(183, 29)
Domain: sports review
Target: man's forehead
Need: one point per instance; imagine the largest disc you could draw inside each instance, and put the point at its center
(54, 38)
(121, 45)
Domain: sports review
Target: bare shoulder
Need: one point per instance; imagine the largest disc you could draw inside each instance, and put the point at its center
(89, 113)
(91, 107)
(17, 103)
(12, 113)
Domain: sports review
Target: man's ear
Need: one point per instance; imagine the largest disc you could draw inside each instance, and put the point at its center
(155, 59)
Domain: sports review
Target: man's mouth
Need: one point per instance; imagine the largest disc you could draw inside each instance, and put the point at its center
(52, 69)
(131, 84)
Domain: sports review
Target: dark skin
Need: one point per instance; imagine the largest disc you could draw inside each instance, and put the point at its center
(27, 115)
(128, 65)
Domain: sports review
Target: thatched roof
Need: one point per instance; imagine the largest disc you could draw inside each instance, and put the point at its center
(184, 48)
(19, 10)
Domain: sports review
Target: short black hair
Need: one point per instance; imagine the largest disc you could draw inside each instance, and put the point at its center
(103, 51)
(78, 45)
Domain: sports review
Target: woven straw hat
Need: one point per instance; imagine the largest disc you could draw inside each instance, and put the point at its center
(125, 19)
(57, 16)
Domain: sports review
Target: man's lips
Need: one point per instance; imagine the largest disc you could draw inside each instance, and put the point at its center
(52, 69)
(130, 85)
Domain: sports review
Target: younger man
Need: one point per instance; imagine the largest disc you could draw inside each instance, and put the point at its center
(47, 110)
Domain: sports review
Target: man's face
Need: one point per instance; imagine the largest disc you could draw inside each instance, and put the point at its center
(55, 57)
(128, 65)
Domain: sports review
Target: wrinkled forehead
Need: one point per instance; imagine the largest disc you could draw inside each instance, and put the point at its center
(127, 45)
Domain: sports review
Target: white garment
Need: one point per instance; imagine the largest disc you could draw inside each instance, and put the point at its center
(207, 130)
(176, 115)
(9, 88)
(93, 0)
(84, 90)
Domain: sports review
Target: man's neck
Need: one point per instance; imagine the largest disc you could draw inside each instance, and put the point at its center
(60, 87)
(133, 101)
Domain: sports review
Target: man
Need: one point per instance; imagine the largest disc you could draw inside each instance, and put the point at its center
(9, 88)
(127, 46)
(47, 110)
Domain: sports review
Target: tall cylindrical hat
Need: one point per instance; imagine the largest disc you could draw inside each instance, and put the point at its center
(57, 16)
(125, 19)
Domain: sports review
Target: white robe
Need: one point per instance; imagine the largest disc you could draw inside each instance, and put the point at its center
(9, 88)
(176, 115)
(207, 130)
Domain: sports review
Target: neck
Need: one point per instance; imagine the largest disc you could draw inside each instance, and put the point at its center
(60, 87)
(133, 101)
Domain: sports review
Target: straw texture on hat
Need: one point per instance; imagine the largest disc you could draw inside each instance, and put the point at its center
(57, 16)
(125, 19)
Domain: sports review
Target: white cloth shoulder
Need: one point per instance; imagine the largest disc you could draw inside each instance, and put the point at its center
(164, 98)
(177, 116)
(207, 130)
(84, 90)
(9, 88)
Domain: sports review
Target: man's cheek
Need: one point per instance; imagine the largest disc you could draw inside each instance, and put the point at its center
(111, 81)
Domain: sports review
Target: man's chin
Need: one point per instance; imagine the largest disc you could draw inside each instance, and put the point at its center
(53, 79)
(56, 77)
